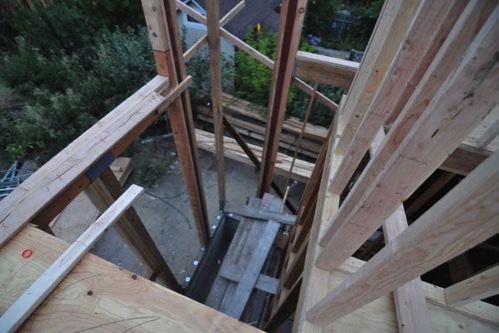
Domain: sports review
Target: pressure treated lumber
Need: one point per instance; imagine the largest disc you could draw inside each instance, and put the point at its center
(98, 295)
(301, 171)
(465, 217)
(441, 126)
(432, 23)
(64, 175)
(292, 16)
(475, 288)
(17, 313)
(389, 32)
(329, 70)
(161, 19)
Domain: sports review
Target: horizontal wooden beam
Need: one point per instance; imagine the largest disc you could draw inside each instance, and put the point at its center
(409, 155)
(477, 287)
(262, 214)
(465, 217)
(323, 69)
(17, 313)
(263, 282)
(68, 167)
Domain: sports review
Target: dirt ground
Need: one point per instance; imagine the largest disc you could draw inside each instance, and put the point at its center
(166, 212)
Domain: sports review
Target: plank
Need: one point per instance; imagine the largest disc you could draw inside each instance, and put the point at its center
(63, 176)
(162, 24)
(17, 313)
(103, 192)
(329, 70)
(262, 214)
(475, 288)
(301, 171)
(453, 225)
(213, 25)
(263, 282)
(384, 43)
(432, 23)
(234, 306)
(431, 139)
(99, 296)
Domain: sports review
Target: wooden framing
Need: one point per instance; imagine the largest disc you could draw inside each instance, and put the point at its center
(292, 15)
(480, 286)
(15, 316)
(165, 40)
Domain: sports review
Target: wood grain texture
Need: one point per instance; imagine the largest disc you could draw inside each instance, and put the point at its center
(69, 165)
(24, 306)
(465, 217)
(99, 296)
(475, 288)
(417, 150)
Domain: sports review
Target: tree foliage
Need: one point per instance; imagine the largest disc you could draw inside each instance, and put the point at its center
(70, 72)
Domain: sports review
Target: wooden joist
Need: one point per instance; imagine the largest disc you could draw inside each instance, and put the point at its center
(419, 150)
(262, 214)
(323, 69)
(475, 288)
(25, 305)
(462, 219)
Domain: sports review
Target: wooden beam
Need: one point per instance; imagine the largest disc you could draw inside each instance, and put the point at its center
(292, 15)
(262, 214)
(161, 18)
(17, 313)
(465, 217)
(477, 287)
(329, 70)
(103, 192)
(263, 282)
(410, 302)
(441, 126)
(389, 32)
(213, 24)
(432, 23)
(191, 52)
(256, 54)
(63, 177)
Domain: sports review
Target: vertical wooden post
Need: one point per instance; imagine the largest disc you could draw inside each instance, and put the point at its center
(292, 14)
(165, 39)
(213, 16)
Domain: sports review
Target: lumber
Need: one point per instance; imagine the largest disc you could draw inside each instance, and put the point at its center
(475, 288)
(432, 23)
(64, 175)
(162, 25)
(103, 192)
(292, 16)
(213, 24)
(457, 221)
(301, 171)
(389, 32)
(262, 214)
(323, 69)
(263, 282)
(434, 136)
(234, 306)
(17, 313)
(98, 295)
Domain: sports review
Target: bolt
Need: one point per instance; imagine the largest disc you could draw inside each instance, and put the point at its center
(203, 249)
(196, 263)
(230, 214)
(214, 227)
(90, 293)
(219, 217)
(187, 279)
(134, 277)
